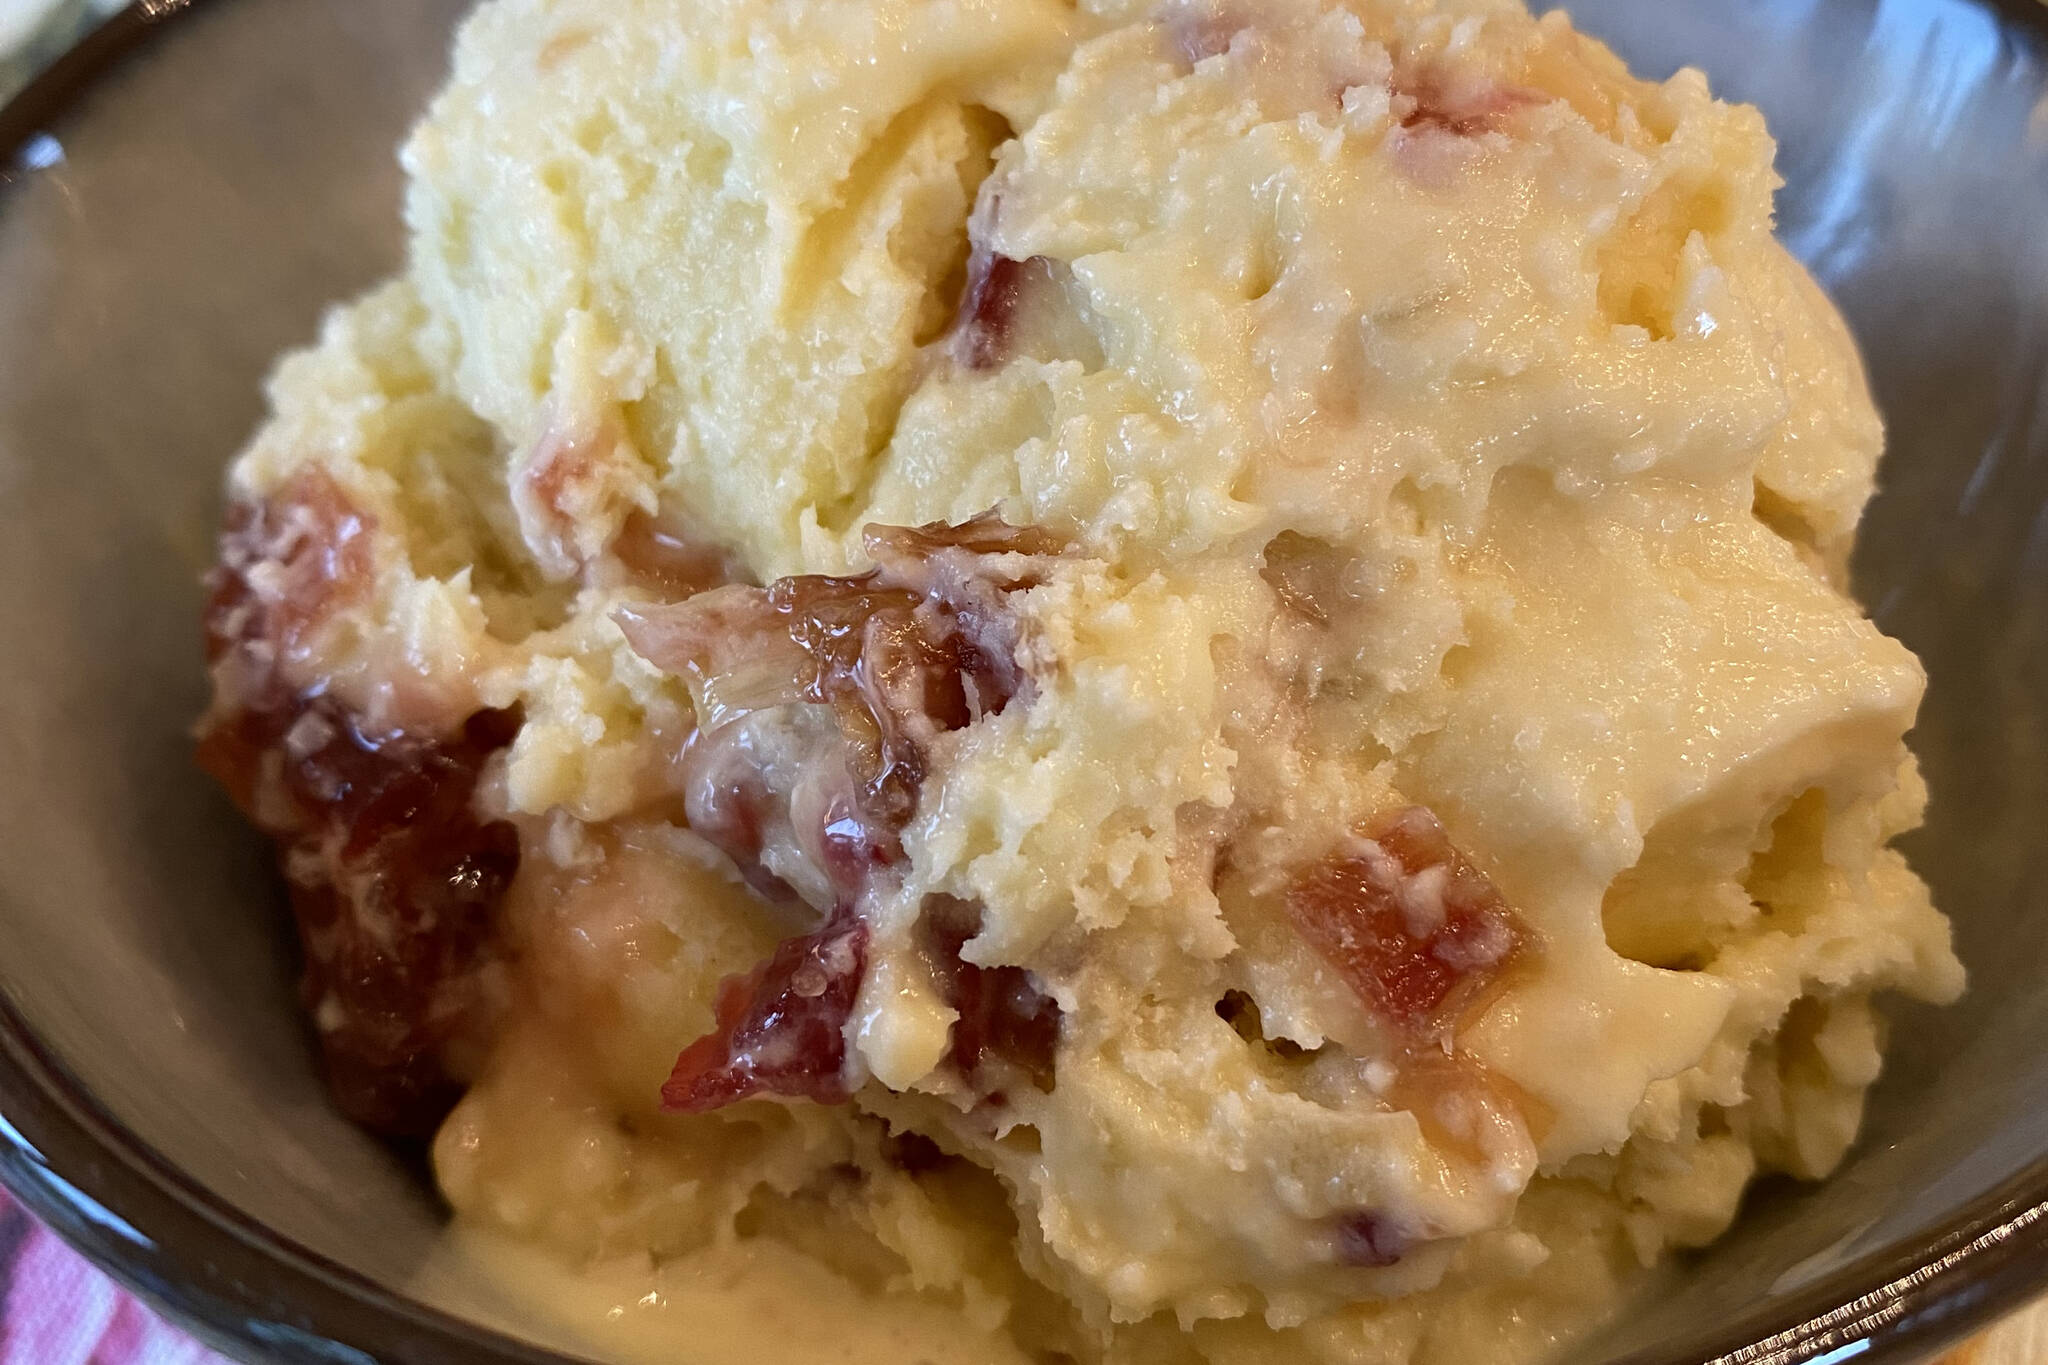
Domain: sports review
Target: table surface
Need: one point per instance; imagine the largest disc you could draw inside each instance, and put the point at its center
(2021, 1339)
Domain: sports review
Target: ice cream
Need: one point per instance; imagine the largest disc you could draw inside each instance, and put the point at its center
(1176, 678)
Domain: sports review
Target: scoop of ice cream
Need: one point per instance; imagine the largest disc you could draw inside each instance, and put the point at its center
(1254, 594)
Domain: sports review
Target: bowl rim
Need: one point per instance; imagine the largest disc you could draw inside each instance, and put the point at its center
(253, 1292)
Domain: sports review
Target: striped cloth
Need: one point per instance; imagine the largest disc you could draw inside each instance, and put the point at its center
(58, 1310)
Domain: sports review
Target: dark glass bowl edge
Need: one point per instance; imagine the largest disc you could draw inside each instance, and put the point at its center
(248, 1291)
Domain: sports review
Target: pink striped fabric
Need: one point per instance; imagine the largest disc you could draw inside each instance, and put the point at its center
(58, 1310)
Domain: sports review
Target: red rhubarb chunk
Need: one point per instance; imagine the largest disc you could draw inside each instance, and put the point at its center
(1001, 294)
(984, 534)
(668, 563)
(1003, 1015)
(395, 881)
(1197, 34)
(1461, 104)
(921, 645)
(314, 548)
(781, 1028)
(395, 884)
(989, 310)
(1412, 927)
(1365, 1237)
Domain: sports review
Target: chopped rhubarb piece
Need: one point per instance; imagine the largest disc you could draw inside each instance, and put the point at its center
(1412, 927)
(313, 546)
(727, 802)
(1460, 104)
(818, 700)
(893, 685)
(912, 1152)
(394, 881)
(1004, 295)
(921, 645)
(1312, 578)
(781, 1028)
(562, 472)
(988, 310)
(667, 563)
(850, 848)
(729, 644)
(581, 472)
(1365, 1237)
(395, 885)
(1464, 1108)
(1003, 1015)
(1197, 36)
(917, 647)
(986, 534)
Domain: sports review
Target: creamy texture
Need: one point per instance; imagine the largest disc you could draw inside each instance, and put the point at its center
(1428, 774)
(734, 1306)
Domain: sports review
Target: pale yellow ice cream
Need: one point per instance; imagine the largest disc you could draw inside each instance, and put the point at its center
(1406, 827)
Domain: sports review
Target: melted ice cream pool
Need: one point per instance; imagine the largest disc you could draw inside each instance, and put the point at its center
(735, 1303)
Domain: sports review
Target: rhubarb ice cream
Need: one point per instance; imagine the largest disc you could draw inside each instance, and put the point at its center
(1140, 683)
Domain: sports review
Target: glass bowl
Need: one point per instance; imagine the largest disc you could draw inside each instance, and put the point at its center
(180, 197)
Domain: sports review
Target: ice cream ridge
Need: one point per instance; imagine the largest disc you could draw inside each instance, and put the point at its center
(1177, 679)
